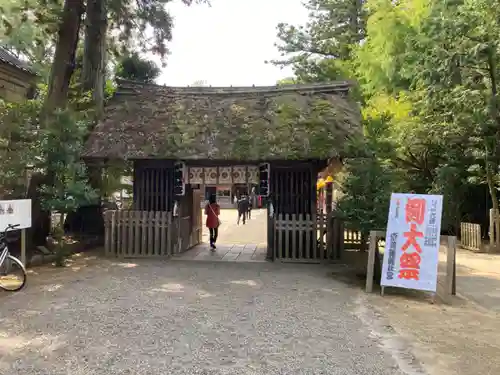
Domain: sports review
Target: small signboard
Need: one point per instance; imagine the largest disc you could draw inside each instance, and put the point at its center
(15, 212)
(411, 254)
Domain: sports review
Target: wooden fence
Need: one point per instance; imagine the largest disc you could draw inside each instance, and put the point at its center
(352, 239)
(470, 236)
(305, 238)
(147, 234)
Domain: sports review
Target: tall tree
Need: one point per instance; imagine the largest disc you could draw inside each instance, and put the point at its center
(382, 62)
(56, 98)
(123, 23)
(129, 20)
(319, 50)
(459, 69)
(94, 54)
(135, 68)
(64, 61)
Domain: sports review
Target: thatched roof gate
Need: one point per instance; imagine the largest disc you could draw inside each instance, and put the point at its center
(296, 128)
(291, 122)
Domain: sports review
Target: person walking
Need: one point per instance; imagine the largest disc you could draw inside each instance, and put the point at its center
(212, 210)
(249, 209)
(242, 209)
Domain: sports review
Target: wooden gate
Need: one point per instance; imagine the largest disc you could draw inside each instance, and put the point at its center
(139, 234)
(293, 194)
(306, 238)
(153, 186)
(296, 238)
(296, 231)
(197, 226)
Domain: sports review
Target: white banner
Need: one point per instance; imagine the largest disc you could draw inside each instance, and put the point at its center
(15, 212)
(411, 254)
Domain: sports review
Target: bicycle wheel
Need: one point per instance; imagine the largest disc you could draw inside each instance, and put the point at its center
(12, 274)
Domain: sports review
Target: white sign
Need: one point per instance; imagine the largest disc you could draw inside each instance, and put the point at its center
(411, 254)
(15, 212)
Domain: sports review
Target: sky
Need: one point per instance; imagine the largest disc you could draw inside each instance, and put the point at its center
(228, 42)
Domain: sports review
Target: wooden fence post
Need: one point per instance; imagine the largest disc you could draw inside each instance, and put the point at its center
(329, 197)
(23, 247)
(372, 250)
(450, 284)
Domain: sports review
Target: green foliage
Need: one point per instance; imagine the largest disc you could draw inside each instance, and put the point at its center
(130, 19)
(54, 150)
(28, 28)
(20, 146)
(368, 179)
(62, 144)
(367, 184)
(47, 139)
(112, 178)
(135, 68)
(428, 72)
(321, 49)
(287, 81)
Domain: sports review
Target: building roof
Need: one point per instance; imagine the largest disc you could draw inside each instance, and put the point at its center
(8, 58)
(146, 121)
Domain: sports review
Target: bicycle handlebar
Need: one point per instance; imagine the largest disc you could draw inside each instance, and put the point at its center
(10, 227)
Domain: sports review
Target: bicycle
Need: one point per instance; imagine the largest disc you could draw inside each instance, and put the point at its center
(9, 263)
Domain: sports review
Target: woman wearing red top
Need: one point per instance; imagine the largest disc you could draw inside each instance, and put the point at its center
(212, 210)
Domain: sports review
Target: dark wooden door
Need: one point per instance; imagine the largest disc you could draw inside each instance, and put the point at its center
(293, 196)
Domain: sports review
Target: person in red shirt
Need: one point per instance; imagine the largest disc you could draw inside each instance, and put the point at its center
(212, 210)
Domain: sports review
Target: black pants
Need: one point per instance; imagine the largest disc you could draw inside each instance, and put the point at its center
(242, 215)
(214, 232)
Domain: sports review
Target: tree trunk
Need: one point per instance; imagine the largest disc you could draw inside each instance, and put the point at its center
(60, 77)
(491, 157)
(94, 74)
(94, 58)
(64, 59)
(491, 183)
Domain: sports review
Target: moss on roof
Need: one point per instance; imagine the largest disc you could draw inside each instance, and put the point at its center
(230, 123)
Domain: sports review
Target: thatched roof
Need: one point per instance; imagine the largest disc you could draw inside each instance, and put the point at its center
(225, 123)
(8, 58)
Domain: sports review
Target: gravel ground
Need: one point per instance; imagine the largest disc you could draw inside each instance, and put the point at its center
(192, 318)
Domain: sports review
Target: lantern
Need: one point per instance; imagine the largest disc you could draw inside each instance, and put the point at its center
(320, 184)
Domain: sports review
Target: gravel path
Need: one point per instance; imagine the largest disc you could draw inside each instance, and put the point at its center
(187, 318)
